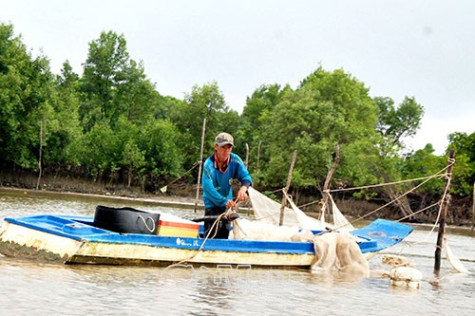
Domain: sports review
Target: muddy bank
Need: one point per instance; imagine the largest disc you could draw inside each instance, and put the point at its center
(50, 183)
(169, 201)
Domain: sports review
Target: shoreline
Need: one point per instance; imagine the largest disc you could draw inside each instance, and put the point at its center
(171, 201)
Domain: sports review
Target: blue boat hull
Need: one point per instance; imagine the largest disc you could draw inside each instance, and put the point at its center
(74, 239)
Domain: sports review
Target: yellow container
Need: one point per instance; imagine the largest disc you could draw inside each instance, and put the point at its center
(177, 229)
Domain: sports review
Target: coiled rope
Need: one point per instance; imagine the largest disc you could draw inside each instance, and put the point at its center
(227, 213)
(145, 222)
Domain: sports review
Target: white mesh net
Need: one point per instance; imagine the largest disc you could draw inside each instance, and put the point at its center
(268, 210)
(340, 253)
(334, 251)
(339, 220)
(306, 222)
(258, 230)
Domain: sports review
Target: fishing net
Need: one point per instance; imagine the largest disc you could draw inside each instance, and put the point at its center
(258, 230)
(335, 251)
(338, 251)
(268, 210)
(454, 260)
(306, 222)
(339, 220)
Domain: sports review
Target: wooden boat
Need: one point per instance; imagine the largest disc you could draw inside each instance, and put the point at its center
(75, 239)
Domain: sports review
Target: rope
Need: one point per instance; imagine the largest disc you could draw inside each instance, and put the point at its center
(173, 181)
(431, 230)
(145, 222)
(226, 213)
(451, 162)
(394, 200)
(389, 183)
(385, 184)
(307, 204)
(437, 175)
(419, 211)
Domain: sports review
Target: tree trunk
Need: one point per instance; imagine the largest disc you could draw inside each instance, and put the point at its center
(129, 180)
(258, 154)
(402, 202)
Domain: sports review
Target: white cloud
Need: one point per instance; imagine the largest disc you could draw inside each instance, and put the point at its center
(436, 131)
(421, 49)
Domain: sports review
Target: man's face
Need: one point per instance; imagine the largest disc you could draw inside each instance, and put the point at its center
(224, 152)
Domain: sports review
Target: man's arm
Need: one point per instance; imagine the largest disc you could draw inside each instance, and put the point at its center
(210, 190)
(242, 194)
(245, 178)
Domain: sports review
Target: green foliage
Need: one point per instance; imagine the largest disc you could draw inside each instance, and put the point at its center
(464, 168)
(161, 143)
(205, 102)
(385, 163)
(328, 108)
(61, 143)
(395, 123)
(25, 102)
(112, 124)
(98, 150)
(258, 107)
(423, 163)
(361, 161)
(114, 85)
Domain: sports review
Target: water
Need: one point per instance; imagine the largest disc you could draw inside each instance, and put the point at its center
(35, 288)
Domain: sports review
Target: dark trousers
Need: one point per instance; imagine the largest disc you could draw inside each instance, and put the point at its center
(221, 228)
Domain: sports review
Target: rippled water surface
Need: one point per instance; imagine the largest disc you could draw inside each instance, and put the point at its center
(35, 288)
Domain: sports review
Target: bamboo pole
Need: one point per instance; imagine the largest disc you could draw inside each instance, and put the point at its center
(247, 155)
(39, 158)
(286, 189)
(201, 164)
(326, 185)
(443, 213)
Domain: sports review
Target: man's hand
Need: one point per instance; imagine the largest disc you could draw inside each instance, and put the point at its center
(230, 204)
(242, 195)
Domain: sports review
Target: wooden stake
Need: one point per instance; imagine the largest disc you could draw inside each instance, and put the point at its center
(201, 164)
(286, 189)
(247, 155)
(39, 158)
(443, 213)
(328, 179)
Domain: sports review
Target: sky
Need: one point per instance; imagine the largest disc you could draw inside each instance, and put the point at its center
(397, 48)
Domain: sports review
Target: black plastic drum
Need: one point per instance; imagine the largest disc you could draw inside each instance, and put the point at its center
(126, 220)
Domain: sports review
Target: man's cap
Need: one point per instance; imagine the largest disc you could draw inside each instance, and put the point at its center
(224, 139)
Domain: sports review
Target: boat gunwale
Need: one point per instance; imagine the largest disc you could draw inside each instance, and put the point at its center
(106, 236)
(377, 236)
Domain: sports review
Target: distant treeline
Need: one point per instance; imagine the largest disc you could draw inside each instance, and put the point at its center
(112, 124)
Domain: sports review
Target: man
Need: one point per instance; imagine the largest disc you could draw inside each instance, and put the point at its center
(218, 171)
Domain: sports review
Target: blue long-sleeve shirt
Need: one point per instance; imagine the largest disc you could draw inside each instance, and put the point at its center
(217, 188)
